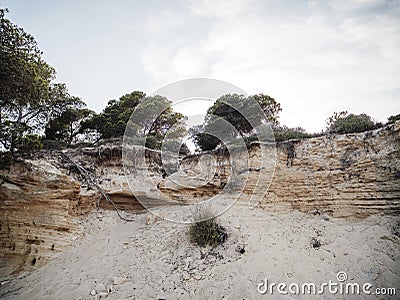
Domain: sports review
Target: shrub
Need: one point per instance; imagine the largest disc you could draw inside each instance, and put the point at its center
(284, 133)
(393, 119)
(205, 230)
(175, 146)
(53, 144)
(5, 160)
(30, 142)
(343, 123)
(206, 141)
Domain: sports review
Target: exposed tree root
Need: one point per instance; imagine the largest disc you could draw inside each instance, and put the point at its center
(91, 180)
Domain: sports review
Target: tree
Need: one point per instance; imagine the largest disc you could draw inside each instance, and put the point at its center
(155, 118)
(28, 98)
(343, 123)
(67, 126)
(270, 107)
(111, 122)
(202, 140)
(243, 113)
(24, 84)
(393, 118)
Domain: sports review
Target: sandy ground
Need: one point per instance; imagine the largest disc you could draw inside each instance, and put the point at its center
(132, 260)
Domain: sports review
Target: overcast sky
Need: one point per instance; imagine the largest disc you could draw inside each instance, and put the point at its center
(314, 57)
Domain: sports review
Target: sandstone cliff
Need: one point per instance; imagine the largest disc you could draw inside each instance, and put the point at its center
(41, 199)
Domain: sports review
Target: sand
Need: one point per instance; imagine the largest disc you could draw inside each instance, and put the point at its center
(132, 260)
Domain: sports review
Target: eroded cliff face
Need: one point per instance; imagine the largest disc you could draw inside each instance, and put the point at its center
(42, 199)
(37, 203)
(351, 175)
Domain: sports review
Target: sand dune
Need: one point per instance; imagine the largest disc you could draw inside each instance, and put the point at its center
(132, 260)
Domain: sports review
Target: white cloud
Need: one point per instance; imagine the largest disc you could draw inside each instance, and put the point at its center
(333, 58)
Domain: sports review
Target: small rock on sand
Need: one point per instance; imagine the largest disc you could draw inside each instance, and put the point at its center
(119, 280)
(103, 294)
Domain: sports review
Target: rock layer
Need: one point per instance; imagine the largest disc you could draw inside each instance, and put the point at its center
(353, 176)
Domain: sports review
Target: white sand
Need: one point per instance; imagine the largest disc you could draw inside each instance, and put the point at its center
(157, 261)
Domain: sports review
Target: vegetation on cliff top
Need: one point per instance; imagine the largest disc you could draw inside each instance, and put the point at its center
(37, 112)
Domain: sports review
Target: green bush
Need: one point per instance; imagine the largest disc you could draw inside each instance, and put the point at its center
(393, 119)
(53, 144)
(343, 123)
(205, 230)
(284, 133)
(5, 160)
(206, 141)
(30, 142)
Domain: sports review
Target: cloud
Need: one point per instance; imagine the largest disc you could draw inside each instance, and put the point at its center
(328, 57)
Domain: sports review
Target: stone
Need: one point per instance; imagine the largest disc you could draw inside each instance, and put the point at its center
(348, 175)
(93, 292)
(325, 217)
(103, 294)
(119, 280)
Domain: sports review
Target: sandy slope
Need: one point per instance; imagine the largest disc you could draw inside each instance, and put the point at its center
(139, 261)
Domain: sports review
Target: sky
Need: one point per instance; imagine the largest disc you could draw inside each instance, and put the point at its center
(313, 57)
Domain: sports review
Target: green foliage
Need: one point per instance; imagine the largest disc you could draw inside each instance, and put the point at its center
(149, 121)
(66, 126)
(30, 143)
(184, 149)
(284, 133)
(28, 98)
(5, 160)
(146, 127)
(205, 233)
(53, 144)
(111, 122)
(270, 107)
(205, 230)
(344, 123)
(393, 119)
(244, 114)
(24, 83)
(175, 147)
(152, 142)
(155, 120)
(205, 141)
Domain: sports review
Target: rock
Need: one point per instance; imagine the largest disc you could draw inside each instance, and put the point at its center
(23, 275)
(100, 287)
(119, 280)
(93, 292)
(339, 174)
(325, 217)
(103, 294)
(197, 276)
(315, 243)
(109, 288)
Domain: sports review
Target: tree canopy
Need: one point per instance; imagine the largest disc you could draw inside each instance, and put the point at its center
(245, 114)
(155, 119)
(111, 122)
(28, 97)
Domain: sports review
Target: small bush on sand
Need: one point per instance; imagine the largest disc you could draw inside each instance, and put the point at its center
(205, 230)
